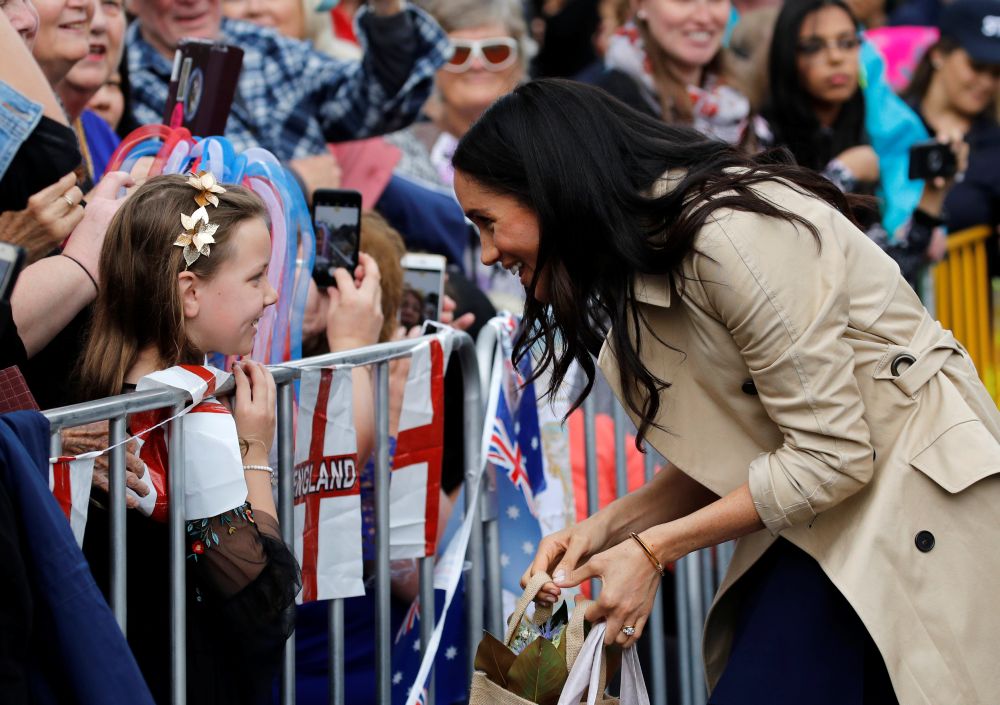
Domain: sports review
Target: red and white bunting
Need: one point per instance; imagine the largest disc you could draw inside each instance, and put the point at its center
(327, 488)
(214, 481)
(416, 474)
(69, 481)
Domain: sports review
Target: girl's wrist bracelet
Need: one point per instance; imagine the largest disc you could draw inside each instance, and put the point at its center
(648, 552)
(261, 468)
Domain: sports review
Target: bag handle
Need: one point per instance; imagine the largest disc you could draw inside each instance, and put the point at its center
(530, 593)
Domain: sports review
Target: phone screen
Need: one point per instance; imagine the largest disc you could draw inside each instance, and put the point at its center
(421, 296)
(338, 228)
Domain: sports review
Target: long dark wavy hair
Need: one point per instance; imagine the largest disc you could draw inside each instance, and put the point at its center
(585, 163)
(789, 111)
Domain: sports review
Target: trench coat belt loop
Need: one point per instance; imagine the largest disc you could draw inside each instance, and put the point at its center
(926, 364)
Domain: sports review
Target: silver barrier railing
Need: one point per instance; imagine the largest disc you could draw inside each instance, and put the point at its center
(116, 409)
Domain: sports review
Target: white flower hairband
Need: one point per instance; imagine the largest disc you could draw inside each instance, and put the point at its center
(199, 233)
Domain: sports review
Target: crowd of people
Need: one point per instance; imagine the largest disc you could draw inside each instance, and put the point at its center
(380, 97)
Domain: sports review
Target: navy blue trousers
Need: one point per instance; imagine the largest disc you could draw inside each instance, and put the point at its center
(798, 641)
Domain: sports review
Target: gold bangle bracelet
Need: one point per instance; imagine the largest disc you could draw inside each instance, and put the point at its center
(648, 552)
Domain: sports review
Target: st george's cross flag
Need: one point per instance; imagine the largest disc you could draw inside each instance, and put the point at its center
(416, 472)
(214, 481)
(327, 488)
(69, 480)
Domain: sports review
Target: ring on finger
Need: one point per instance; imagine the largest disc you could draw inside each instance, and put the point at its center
(69, 200)
(628, 630)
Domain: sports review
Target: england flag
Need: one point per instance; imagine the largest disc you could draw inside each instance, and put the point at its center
(327, 488)
(214, 467)
(69, 481)
(416, 474)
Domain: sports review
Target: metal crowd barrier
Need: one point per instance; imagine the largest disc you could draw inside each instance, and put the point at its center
(696, 576)
(962, 300)
(116, 409)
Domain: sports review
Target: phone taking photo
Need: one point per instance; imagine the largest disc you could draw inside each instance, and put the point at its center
(336, 217)
(202, 86)
(423, 289)
(11, 262)
(931, 159)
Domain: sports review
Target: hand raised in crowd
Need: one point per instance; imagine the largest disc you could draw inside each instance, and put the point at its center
(463, 322)
(84, 245)
(936, 190)
(50, 217)
(95, 436)
(318, 171)
(354, 314)
(254, 409)
(863, 163)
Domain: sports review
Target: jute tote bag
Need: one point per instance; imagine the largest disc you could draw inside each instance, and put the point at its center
(486, 692)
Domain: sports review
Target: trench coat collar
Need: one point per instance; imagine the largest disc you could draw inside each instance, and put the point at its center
(655, 289)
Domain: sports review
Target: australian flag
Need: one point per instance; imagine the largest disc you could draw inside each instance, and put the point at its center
(516, 453)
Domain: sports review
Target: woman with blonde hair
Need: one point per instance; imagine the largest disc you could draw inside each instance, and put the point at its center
(669, 62)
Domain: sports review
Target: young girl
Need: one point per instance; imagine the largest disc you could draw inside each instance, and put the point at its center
(183, 273)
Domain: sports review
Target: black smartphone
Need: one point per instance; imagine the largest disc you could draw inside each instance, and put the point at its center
(336, 217)
(202, 86)
(931, 159)
(11, 261)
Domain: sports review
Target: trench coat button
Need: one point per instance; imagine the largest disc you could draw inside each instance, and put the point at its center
(749, 388)
(924, 541)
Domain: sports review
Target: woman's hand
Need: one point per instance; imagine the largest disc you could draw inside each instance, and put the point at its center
(50, 217)
(85, 244)
(560, 553)
(95, 436)
(354, 315)
(628, 587)
(254, 409)
(463, 322)
(862, 161)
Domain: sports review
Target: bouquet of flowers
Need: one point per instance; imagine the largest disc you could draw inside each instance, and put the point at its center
(533, 662)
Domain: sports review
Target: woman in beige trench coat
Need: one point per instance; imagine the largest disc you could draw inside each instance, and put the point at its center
(808, 403)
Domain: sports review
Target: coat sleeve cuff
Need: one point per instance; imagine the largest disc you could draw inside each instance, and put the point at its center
(779, 507)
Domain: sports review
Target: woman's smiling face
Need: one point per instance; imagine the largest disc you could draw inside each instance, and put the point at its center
(508, 232)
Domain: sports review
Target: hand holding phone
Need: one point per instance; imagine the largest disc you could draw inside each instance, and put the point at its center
(336, 216)
(423, 289)
(932, 159)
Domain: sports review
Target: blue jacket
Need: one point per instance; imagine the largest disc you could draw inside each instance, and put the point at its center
(76, 653)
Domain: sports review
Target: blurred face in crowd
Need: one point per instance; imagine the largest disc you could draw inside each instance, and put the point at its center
(109, 102)
(63, 35)
(23, 17)
(165, 22)
(485, 66)
(688, 31)
(284, 15)
(107, 32)
(827, 55)
(969, 87)
(508, 232)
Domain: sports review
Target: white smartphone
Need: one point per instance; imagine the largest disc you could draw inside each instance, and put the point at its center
(423, 289)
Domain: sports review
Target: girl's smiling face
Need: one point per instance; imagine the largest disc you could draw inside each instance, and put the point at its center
(508, 232)
(221, 312)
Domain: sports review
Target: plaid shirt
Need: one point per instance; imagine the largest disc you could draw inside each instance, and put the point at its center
(292, 99)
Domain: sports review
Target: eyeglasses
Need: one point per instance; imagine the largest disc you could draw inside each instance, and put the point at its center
(495, 53)
(814, 45)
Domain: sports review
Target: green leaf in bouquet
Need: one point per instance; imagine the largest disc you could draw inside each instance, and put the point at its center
(561, 645)
(494, 659)
(538, 673)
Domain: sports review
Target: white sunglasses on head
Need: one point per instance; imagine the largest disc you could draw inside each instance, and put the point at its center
(495, 53)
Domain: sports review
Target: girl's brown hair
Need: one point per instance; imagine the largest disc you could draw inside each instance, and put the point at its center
(139, 303)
